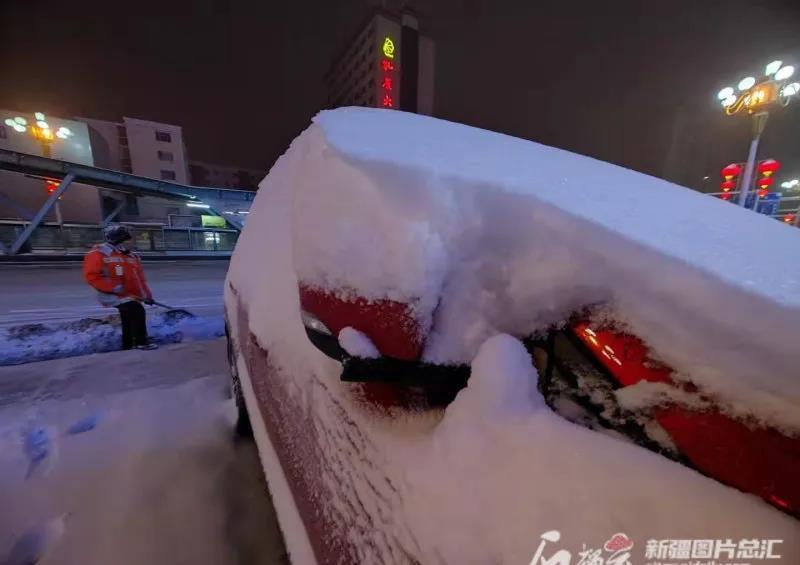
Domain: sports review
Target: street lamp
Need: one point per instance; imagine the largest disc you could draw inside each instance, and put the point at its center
(39, 130)
(790, 184)
(43, 133)
(754, 96)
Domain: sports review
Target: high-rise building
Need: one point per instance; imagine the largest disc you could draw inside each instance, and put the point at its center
(145, 148)
(387, 64)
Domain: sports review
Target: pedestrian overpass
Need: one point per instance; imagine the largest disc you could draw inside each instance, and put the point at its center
(230, 204)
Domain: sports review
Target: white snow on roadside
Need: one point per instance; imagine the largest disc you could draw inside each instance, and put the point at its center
(158, 480)
(40, 342)
(358, 344)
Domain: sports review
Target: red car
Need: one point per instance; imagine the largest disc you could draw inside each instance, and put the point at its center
(387, 241)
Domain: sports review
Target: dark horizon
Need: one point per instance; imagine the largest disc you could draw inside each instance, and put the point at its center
(632, 83)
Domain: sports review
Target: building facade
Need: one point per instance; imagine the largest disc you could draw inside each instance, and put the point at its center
(141, 147)
(387, 64)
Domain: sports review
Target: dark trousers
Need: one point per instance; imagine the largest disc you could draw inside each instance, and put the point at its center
(134, 326)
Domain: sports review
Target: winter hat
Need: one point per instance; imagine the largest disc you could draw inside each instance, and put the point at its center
(117, 234)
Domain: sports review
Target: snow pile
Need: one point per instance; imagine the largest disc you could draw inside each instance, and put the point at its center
(501, 450)
(157, 479)
(485, 234)
(357, 344)
(39, 342)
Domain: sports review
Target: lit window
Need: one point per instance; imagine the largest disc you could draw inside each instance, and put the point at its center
(166, 156)
(167, 175)
(163, 136)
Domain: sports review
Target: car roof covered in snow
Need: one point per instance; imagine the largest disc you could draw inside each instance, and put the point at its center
(748, 250)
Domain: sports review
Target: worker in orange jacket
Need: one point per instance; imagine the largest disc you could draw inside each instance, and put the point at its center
(116, 273)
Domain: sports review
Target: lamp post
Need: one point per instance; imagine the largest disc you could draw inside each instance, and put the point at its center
(40, 130)
(754, 97)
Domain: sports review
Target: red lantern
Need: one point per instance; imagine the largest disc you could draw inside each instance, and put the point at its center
(731, 171)
(788, 218)
(725, 196)
(768, 166)
(762, 192)
(764, 182)
(727, 185)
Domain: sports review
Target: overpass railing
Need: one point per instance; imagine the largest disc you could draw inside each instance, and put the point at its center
(158, 239)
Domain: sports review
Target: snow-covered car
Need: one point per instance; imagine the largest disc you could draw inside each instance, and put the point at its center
(584, 370)
(420, 313)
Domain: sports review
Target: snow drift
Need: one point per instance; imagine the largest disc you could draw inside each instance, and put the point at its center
(40, 342)
(484, 234)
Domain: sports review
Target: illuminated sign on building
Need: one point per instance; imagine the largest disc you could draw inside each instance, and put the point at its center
(387, 70)
(388, 48)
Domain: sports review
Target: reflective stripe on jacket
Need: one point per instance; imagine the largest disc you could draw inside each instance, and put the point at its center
(115, 275)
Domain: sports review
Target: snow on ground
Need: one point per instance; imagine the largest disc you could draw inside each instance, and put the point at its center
(156, 479)
(42, 341)
(485, 234)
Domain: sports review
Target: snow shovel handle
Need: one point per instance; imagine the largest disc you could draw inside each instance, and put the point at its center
(151, 301)
(165, 306)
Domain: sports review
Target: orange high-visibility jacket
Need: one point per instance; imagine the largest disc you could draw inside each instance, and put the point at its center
(116, 276)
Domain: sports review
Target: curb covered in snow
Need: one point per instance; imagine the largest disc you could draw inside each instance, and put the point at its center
(40, 342)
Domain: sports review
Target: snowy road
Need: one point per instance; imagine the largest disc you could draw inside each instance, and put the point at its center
(157, 480)
(50, 293)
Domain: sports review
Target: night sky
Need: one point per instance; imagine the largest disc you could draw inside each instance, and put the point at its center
(627, 82)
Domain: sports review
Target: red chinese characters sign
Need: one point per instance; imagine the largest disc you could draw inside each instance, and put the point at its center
(387, 73)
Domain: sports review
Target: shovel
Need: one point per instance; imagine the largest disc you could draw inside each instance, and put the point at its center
(170, 308)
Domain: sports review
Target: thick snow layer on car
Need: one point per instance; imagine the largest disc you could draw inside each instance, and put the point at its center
(484, 235)
(489, 233)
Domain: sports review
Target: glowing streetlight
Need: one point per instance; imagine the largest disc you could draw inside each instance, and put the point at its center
(41, 131)
(790, 184)
(772, 68)
(725, 93)
(746, 83)
(791, 89)
(753, 97)
(784, 72)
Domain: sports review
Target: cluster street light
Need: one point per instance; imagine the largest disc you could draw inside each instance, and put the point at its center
(39, 130)
(753, 96)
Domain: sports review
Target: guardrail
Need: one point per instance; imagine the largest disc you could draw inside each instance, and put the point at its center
(787, 206)
(79, 238)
